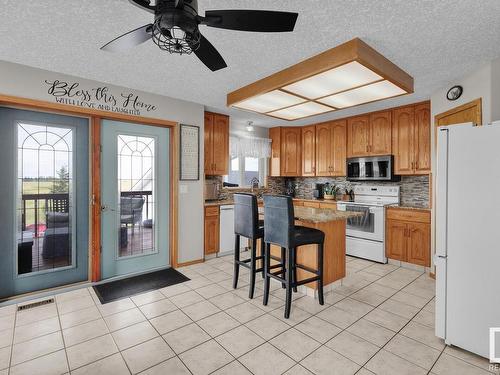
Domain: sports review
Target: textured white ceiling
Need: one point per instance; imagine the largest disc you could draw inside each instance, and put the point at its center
(434, 41)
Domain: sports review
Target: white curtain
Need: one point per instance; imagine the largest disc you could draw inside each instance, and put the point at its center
(249, 147)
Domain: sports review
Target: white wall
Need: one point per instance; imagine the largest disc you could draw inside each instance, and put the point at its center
(495, 90)
(476, 85)
(240, 129)
(27, 82)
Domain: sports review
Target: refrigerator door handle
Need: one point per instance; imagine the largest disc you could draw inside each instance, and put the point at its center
(442, 193)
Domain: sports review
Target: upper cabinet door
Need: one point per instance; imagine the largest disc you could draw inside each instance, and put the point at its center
(220, 145)
(274, 162)
(381, 136)
(402, 138)
(338, 148)
(358, 136)
(309, 150)
(208, 132)
(324, 149)
(291, 159)
(422, 139)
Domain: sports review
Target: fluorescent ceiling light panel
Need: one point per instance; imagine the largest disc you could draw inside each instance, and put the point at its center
(339, 79)
(350, 74)
(270, 101)
(365, 94)
(301, 111)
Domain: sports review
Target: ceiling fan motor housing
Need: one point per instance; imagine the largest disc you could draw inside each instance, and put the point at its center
(176, 29)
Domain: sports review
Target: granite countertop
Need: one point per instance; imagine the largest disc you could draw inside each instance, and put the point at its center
(320, 215)
(219, 202)
(230, 201)
(410, 207)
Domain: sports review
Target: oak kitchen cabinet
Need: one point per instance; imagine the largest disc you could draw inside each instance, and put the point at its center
(211, 230)
(411, 139)
(216, 144)
(369, 135)
(408, 235)
(309, 150)
(331, 148)
(286, 151)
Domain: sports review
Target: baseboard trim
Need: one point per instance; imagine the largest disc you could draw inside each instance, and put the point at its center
(190, 263)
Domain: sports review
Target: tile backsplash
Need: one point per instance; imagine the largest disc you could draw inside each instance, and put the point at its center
(414, 189)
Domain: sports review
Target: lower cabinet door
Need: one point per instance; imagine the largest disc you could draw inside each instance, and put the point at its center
(396, 241)
(419, 244)
(211, 234)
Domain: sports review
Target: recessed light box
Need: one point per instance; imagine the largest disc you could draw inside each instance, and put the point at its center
(270, 101)
(365, 94)
(350, 74)
(301, 111)
(339, 79)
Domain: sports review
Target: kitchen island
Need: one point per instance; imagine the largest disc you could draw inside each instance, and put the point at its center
(333, 224)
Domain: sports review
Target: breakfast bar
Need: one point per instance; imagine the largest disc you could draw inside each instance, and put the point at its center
(333, 223)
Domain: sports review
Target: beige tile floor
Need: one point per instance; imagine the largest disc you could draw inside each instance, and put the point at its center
(379, 321)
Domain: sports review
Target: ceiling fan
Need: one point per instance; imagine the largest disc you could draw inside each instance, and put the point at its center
(176, 28)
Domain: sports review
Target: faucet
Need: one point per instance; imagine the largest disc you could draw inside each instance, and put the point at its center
(255, 183)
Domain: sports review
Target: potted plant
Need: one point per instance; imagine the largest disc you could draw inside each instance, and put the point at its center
(331, 191)
(349, 193)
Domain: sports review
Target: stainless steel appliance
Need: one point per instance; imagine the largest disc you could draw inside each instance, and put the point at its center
(366, 234)
(212, 189)
(371, 168)
(319, 191)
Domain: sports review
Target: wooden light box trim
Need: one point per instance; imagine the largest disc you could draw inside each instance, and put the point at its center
(353, 50)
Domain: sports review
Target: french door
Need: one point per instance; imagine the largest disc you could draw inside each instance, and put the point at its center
(44, 204)
(134, 197)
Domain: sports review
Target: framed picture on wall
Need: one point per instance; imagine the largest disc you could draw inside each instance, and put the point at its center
(189, 152)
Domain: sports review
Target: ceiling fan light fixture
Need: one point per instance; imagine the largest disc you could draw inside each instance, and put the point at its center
(174, 39)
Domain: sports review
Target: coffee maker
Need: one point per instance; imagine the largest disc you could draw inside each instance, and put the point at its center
(290, 187)
(319, 191)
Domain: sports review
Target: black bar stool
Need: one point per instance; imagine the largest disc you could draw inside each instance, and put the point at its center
(280, 229)
(247, 224)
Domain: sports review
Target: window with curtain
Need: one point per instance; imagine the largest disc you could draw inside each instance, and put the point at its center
(248, 163)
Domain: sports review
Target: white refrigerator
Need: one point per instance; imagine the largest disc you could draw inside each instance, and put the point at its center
(468, 236)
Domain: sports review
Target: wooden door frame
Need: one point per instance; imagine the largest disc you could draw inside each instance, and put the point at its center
(95, 118)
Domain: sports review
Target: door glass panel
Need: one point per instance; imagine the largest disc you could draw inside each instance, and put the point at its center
(136, 185)
(45, 199)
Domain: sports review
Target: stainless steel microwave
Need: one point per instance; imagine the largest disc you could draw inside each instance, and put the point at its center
(371, 168)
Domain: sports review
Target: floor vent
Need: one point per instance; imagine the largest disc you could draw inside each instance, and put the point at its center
(35, 304)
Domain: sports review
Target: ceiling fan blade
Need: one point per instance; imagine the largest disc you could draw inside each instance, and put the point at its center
(144, 4)
(128, 40)
(209, 56)
(250, 20)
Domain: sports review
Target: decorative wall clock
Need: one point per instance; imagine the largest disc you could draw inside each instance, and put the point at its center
(455, 92)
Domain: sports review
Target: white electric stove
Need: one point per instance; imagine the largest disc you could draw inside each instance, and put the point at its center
(366, 234)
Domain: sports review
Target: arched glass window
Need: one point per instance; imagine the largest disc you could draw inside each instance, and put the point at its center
(45, 197)
(136, 183)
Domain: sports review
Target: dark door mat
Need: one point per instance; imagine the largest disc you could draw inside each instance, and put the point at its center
(131, 286)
